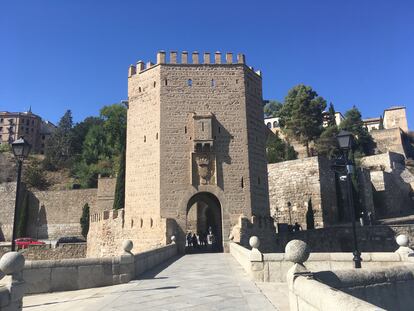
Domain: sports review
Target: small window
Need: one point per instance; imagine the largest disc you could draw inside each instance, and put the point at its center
(198, 147)
(156, 136)
(185, 129)
(190, 82)
(145, 139)
(219, 129)
(151, 222)
(141, 222)
(202, 126)
(139, 89)
(132, 223)
(269, 125)
(155, 84)
(166, 82)
(213, 83)
(242, 183)
(206, 148)
(275, 124)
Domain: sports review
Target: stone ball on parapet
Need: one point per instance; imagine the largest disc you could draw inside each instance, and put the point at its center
(12, 262)
(173, 239)
(297, 251)
(254, 242)
(127, 245)
(402, 240)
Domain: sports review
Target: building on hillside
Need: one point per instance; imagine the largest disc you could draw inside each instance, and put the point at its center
(27, 124)
(195, 156)
(272, 123)
(373, 124)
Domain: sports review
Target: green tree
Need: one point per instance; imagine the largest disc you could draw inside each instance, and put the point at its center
(301, 115)
(272, 108)
(59, 147)
(96, 146)
(119, 200)
(277, 150)
(331, 115)
(115, 119)
(364, 144)
(80, 130)
(327, 144)
(84, 220)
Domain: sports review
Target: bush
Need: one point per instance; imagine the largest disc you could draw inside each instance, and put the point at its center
(5, 148)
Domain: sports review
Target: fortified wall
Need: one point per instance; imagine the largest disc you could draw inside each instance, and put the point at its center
(303, 189)
(53, 214)
(392, 182)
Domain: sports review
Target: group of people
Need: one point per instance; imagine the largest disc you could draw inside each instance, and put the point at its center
(201, 240)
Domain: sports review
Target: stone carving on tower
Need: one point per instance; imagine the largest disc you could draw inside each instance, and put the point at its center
(203, 157)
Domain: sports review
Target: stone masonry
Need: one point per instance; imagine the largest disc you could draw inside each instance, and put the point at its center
(195, 133)
(302, 187)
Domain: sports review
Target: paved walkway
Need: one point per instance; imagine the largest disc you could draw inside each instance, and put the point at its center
(193, 282)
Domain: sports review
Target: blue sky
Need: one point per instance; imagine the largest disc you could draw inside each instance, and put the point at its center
(57, 55)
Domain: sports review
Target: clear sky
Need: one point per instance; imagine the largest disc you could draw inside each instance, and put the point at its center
(74, 54)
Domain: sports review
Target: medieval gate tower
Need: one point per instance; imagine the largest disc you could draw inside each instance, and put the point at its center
(195, 151)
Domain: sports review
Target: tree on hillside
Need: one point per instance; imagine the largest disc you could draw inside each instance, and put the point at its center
(301, 115)
(327, 144)
(80, 130)
(364, 144)
(277, 150)
(34, 175)
(331, 115)
(59, 146)
(272, 108)
(115, 119)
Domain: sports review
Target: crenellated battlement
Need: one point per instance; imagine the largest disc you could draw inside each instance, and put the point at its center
(217, 58)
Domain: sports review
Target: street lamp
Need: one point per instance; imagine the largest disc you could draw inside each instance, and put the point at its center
(21, 149)
(345, 141)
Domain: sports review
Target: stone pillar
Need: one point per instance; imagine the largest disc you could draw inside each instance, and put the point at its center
(132, 70)
(184, 57)
(229, 58)
(140, 66)
(12, 263)
(217, 57)
(241, 59)
(206, 58)
(195, 57)
(173, 57)
(161, 57)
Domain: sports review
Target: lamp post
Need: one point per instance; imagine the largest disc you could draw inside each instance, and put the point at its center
(21, 149)
(345, 141)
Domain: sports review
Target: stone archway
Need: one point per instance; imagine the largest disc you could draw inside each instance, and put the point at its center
(204, 212)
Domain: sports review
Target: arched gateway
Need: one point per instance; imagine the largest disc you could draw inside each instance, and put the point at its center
(204, 218)
(195, 154)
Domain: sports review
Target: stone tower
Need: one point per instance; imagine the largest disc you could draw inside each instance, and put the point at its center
(195, 151)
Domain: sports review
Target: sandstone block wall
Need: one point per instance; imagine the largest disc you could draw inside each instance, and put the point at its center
(105, 195)
(309, 186)
(392, 184)
(54, 214)
(7, 203)
(379, 238)
(388, 140)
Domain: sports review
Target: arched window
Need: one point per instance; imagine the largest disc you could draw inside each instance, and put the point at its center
(269, 125)
(275, 124)
(190, 82)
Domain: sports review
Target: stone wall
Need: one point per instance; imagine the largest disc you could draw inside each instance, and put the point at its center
(7, 204)
(73, 274)
(108, 229)
(46, 252)
(308, 187)
(54, 214)
(379, 238)
(105, 195)
(392, 184)
(388, 140)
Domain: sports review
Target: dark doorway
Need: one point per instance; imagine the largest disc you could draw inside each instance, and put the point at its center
(205, 221)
